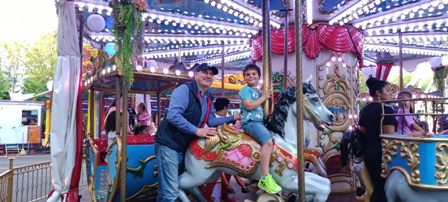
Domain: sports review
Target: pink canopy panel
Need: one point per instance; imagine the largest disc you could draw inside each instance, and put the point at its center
(339, 39)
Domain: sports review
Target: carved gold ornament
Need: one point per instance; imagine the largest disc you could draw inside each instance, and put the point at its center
(389, 150)
(442, 163)
(410, 152)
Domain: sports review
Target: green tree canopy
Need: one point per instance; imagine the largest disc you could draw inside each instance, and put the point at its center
(41, 61)
(12, 61)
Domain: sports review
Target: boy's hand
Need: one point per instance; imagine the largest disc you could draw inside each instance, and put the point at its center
(267, 94)
(206, 132)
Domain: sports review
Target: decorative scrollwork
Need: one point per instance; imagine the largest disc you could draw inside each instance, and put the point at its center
(442, 163)
(389, 150)
(410, 152)
(138, 171)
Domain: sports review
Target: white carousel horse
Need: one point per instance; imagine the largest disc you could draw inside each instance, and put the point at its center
(405, 192)
(417, 165)
(200, 170)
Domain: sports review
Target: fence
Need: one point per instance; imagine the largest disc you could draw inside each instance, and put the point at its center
(29, 183)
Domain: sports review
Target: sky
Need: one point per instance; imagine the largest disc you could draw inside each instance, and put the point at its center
(26, 20)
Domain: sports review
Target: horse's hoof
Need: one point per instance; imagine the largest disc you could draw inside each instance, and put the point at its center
(245, 190)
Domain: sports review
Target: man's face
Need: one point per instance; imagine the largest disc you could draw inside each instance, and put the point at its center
(204, 79)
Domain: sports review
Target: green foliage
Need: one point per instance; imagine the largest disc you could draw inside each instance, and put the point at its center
(439, 78)
(4, 86)
(128, 33)
(12, 56)
(41, 62)
(362, 83)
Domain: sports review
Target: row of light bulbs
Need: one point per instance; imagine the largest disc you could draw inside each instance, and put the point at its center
(243, 12)
(406, 50)
(192, 23)
(196, 51)
(139, 68)
(229, 58)
(201, 39)
(429, 38)
(179, 20)
(421, 25)
(353, 12)
(400, 13)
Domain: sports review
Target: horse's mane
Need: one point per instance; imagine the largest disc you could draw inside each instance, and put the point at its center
(276, 121)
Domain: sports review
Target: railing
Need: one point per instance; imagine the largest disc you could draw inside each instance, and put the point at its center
(29, 183)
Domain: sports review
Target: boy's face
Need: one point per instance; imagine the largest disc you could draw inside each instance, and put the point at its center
(251, 76)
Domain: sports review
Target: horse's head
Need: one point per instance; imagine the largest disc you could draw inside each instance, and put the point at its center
(315, 111)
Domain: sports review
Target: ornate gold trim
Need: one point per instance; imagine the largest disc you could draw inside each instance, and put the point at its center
(410, 152)
(113, 186)
(418, 139)
(138, 171)
(92, 179)
(144, 189)
(389, 150)
(442, 163)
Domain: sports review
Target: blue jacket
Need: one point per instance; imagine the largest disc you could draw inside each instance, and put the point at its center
(185, 116)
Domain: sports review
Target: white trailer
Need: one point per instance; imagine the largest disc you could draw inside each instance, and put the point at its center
(20, 123)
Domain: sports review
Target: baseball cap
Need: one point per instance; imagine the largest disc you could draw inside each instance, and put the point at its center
(205, 66)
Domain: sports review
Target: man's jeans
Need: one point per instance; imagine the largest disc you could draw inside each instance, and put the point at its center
(168, 161)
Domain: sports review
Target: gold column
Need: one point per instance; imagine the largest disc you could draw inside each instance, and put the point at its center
(299, 100)
(267, 68)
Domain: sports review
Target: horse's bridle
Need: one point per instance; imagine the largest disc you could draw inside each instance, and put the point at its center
(312, 114)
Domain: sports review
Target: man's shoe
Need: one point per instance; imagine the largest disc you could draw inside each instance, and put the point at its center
(268, 185)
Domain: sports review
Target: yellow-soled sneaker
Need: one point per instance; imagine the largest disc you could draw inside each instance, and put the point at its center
(268, 185)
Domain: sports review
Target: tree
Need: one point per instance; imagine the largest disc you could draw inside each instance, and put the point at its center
(41, 62)
(12, 56)
(4, 86)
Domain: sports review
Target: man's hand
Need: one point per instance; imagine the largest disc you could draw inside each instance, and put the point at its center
(206, 132)
(237, 116)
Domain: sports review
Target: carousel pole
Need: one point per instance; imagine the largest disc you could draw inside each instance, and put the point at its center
(299, 101)
(267, 68)
(222, 68)
(400, 47)
(158, 108)
(285, 56)
(124, 134)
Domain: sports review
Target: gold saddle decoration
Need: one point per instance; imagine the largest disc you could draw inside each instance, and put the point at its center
(230, 141)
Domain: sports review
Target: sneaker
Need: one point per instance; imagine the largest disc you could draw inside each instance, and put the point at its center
(268, 185)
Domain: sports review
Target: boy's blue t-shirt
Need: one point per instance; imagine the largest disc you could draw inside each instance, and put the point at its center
(249, 93)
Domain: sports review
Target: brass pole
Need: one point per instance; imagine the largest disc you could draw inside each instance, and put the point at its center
(10, 178)
(222, 68)
(91, 114)
(159, 112)
(299, 101)
(117, 106)
(124, 134)
(285, 56)
(267, 68)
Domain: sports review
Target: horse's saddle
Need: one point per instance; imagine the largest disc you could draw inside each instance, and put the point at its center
(238, 151)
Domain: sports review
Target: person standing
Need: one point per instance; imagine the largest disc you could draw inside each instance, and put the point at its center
(370, 125)
(190, 108)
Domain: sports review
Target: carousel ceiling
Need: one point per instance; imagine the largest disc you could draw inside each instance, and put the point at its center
(198, 30)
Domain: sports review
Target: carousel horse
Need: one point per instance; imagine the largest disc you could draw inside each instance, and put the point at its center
(236, 153)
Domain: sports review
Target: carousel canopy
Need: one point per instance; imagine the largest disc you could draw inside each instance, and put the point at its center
(197, 31)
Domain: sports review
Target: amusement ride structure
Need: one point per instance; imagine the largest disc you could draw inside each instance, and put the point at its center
(149, 47)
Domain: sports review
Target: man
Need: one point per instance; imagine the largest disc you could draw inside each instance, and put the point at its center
(189, 110)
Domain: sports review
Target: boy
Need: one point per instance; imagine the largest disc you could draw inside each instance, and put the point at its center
(252, 124)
